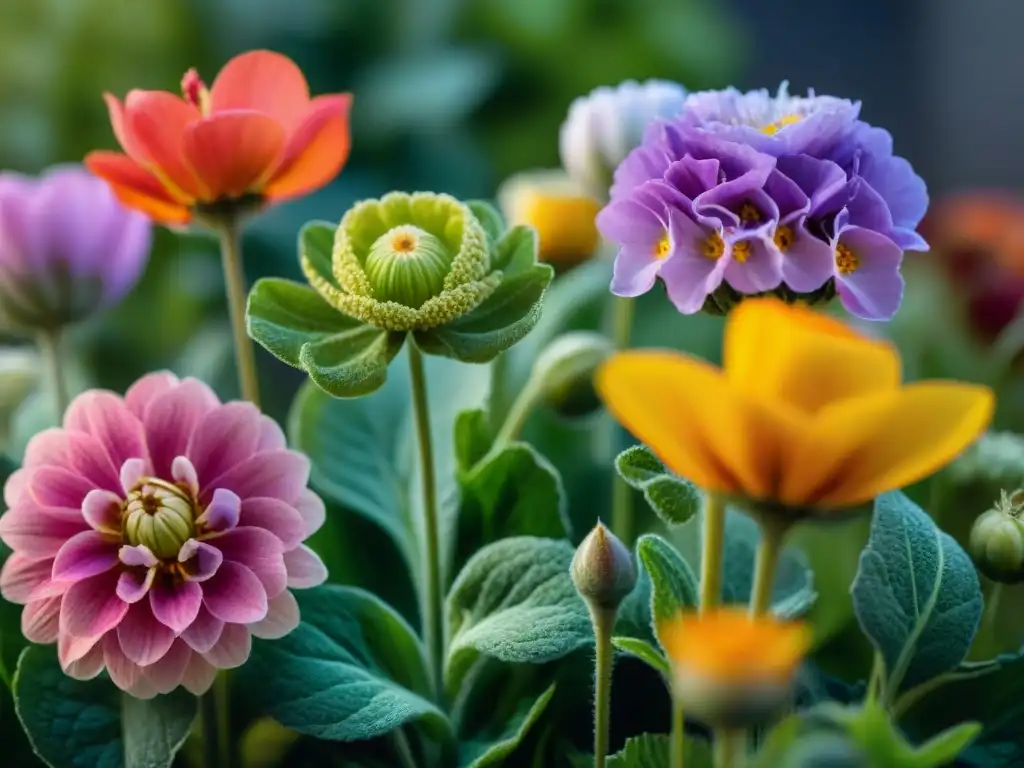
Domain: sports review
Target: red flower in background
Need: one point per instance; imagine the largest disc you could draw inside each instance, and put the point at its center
(980, 236)
(255, 133)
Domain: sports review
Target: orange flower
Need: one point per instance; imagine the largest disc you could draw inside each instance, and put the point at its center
(807, 415)
(255, 134)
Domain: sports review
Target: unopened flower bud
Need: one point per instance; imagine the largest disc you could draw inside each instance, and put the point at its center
(160, 517)
(407, 265)
(565, 372)
(997, 540)
(603, 569)
(608, 123)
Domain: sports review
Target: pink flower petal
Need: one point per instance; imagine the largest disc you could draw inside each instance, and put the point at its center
(145, 390)
(131, 474)
(87, 667)
(15, 487)
(135, 583)
(203, 559)
(279, 474)
(166, 675)
(222, 513)
(271, 436)
(20, 575)
(235, 595)
(261, 552)
(70, 648)
(55, 487)
(126, 674)
(40, 620)
(105, 416)
(204, 632)
(92, 607)
(305, 568)
(176, 605)
(172, 418)
(85, 554)
(88, 459)
(232, 649)
(228, 436)
(312, 509)
(282, 617)
(102, 511)
(282, 520)
(265, 81)
(143, 639)
(48, 448)
(36, 532)
(199, 675)
(139, 556)
(184, 473)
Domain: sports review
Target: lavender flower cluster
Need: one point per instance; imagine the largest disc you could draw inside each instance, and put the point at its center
(750, 194)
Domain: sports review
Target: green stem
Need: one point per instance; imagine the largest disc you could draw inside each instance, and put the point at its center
(518, 414)
(403, 748)
(433, 613)
(711, 551)
(988, 618)
(876, 678)
(773, 533)
(229, 229)
(728, 748)
(678, 733)
(49, 348)
(215, 714)
(915, 694)
(622, 494)
(603, 621)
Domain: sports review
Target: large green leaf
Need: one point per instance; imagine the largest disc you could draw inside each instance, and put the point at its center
(515, 601)
(673, 584)
(91, 724)
(916, 594)
(352, 670)
(674, 499)
(652, 750)
(478, 754)
(511, 492)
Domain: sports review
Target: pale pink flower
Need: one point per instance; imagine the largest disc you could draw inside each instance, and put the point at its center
(155, 534)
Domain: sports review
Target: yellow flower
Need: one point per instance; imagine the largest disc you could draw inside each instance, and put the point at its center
(561, 211)
(805, 414)
(731, 669)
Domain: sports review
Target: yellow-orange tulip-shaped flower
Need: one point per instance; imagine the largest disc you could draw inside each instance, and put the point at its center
(805, 414)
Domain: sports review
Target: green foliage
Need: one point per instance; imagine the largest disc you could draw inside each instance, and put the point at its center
(644, 651)
(916, 595)
(673, 583)
(652, 751)
(91, 724)
(675, 500)
(475, 754)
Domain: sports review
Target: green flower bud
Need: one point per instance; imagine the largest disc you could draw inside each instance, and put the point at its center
(997, 540)
(995, 459)
(408, 262)
(603, 570)
(159, 516)
(565, 369)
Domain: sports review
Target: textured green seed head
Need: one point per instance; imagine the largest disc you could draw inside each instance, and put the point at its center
(407, 265)
(159, 519)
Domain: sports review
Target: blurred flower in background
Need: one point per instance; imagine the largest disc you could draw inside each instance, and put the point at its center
(67, 248)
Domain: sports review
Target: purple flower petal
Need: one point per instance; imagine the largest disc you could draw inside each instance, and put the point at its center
(139, 556)
(21, 575)
(105, 416)
(789, 199)
(55, 487)
(282, 617)
(271, 436)
(635, 271)
(202, 559)
(135, 583)
(39, 532)
(627, 222)
(40, 620)
(760, 271)
(903, 191)
(642, 164)
(807, 262)
(146, 390)
(261, 552)
(223, 512)
(691, 176)
(823, 181)
(235, 595)
(280, 474)
(166, 674)
(92, 607)
(102, 511)
(184, 473)
(84, 555)
(305, 568)
(874, 289)
(143, 639)
(227, 436)
(289, 524)
(232, 648)
(132, 473)
(176, 605)
(86, 457)
(313, 512)
(173, 418)
(203, 633)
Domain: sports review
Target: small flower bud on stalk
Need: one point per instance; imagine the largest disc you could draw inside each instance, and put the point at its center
(604, 574)
(565, 372)
(997, 540)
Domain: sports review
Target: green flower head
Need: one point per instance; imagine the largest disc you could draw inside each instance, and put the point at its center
(424, 264)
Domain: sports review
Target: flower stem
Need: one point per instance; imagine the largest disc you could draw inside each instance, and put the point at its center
(520, 411)
(49, 348)
(433, 612)
(773, 533)
(988, 618)
(711, 551)
(622, 494)
(230, 231)
(603, 621)
(728, 748)
(678, 733)
(215, 715)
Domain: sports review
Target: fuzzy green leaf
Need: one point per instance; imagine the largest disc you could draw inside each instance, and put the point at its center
(352, 670)
(489, 217)
(515, 601)
(90, 723)
(674, 499)
(652, 750)
(476, 754)
(673, 583)
(473, 437)
(916, 594)
(644, 651)
(513, 492)
(316, 245)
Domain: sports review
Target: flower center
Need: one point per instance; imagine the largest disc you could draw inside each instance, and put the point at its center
(741, 251)
(749, 214)
(712, 247)
(772, 128)
(783, 238)
(407, 265)
(662, 248)
(404, 242)
(846, 260)
(160, 516)
(195, 91)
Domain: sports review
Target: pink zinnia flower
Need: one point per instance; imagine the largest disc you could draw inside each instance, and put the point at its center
(154, 534)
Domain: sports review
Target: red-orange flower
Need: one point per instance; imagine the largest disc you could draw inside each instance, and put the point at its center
(255, 132)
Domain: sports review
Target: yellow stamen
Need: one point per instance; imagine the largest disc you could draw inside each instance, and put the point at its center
(783, 238)
(772, 128)
(741, 251)
(749, 213)
(846, 260)
(663, 248)
(403, 242)
(713, 247)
